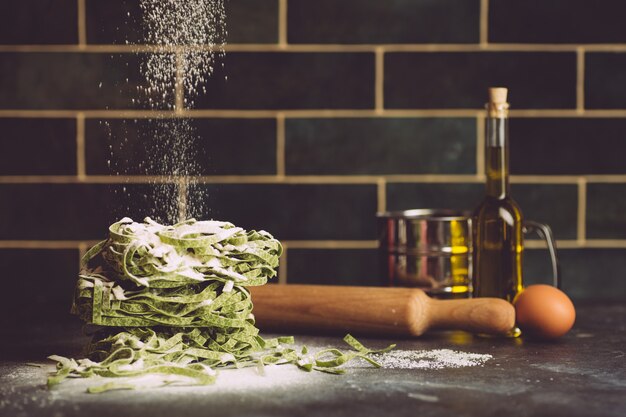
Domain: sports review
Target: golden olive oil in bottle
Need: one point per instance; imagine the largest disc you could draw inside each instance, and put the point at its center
(497, 221)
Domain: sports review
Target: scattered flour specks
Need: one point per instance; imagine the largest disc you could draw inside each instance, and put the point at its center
(196, 29)
(430, 359)
(187, 39)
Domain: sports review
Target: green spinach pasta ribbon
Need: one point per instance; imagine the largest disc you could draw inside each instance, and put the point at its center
(173, 301)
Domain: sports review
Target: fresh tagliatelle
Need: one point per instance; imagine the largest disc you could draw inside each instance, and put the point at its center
(172, 301)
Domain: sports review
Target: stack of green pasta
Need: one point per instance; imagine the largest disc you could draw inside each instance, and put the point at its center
(173, 300)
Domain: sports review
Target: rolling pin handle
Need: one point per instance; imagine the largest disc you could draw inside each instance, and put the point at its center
(476, 315)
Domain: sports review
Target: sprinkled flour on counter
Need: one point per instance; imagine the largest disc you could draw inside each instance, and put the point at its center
(430, 359)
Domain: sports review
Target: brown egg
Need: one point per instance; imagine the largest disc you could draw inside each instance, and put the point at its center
(544, 312)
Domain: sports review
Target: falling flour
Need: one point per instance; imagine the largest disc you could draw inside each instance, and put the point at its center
(189, 36)
(430, 359)
(187, 39)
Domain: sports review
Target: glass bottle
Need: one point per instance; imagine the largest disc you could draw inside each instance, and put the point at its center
(497, 221)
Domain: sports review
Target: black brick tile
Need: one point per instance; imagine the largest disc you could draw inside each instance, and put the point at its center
(556, 21)
(252, 21)
(405, 196)
(606, 205)
(333, 267)
(41, 285)
(113, 22)
(373, 21)
(39, 22)
(587, 274)
(380, 146)
(294, 211)
(605, 80)
(567, 146)
(71, 81)
(537, 266)
(282, 80)
(537, 80)
(119, 21)
(37, 146)
(78, 211)
(155, 146)
(554, 204)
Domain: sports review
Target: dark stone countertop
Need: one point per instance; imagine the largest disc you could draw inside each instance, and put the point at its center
(582, 374)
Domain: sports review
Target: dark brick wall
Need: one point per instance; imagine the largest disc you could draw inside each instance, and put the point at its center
(323, 113)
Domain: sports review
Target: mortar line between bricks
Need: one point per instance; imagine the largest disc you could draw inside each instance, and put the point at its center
(560, 244)
(381, 195)
(605, 243)
(198, 113)
(280, 145)
(82, 24)
(484, 23)
(580, 80)
(179, 86)
(543, 179)
(318, 113)
(480, 145)
(576, 244)
(182, 185)
(283, 264)
(235, 179)
(291, 47)
(379, 81)
(582, 210)
(81, 163)
(83, 247)
(306, 179)
(282, 24)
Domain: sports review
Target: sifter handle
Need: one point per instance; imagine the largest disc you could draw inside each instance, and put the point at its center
(544, 231)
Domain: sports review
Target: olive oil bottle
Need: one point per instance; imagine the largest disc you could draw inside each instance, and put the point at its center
(497, 221)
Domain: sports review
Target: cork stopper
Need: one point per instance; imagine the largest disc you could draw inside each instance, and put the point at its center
(497, 95)
(498, 106)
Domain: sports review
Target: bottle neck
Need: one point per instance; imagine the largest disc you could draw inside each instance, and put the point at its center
(497, 156)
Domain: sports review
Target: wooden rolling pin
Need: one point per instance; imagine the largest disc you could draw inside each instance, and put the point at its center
(374, 311)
